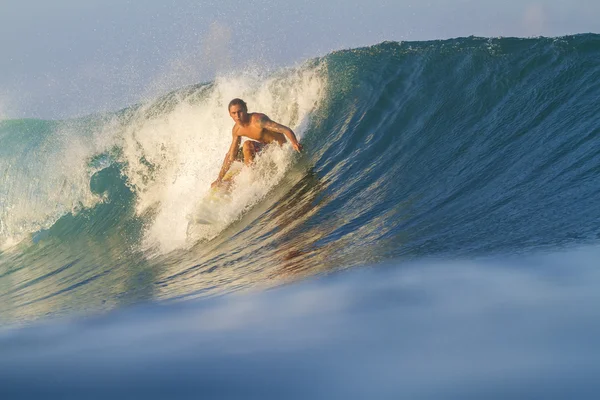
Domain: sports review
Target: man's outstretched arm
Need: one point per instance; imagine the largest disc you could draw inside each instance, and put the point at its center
(229, 158)
(273, 126)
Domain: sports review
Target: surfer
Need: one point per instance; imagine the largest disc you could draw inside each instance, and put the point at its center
(259, 129)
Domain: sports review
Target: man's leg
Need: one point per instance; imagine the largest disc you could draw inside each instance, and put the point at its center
(250, 148)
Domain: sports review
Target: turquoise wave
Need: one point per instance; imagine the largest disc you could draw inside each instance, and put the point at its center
(454, 148)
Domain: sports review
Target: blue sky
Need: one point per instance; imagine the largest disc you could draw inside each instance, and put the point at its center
(71, 57)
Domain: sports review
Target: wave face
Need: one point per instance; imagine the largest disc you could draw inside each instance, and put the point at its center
(456, 148)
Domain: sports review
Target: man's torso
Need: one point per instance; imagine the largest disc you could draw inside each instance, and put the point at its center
(255, 132)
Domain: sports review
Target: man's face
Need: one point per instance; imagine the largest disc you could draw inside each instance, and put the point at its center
(238, 113)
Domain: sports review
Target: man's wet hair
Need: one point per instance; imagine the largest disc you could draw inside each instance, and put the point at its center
(238, 102)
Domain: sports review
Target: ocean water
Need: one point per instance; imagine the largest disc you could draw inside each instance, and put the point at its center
(437, 238)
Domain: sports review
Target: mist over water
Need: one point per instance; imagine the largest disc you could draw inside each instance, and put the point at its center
(441, 167)
(487, 328)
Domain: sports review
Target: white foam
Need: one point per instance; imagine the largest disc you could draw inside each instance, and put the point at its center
(186, 148)
(171, 157)
(44, 179)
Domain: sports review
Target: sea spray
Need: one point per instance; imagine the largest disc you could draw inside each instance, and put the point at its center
(172, 158)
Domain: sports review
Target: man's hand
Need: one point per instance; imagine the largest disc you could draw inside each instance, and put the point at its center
(297, 146)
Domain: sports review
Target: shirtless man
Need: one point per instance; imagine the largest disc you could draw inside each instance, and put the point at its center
(255, 126)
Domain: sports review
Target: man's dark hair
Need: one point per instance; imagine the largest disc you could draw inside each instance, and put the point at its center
(238, 102)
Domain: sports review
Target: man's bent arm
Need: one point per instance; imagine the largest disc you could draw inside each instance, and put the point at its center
(273, 126)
